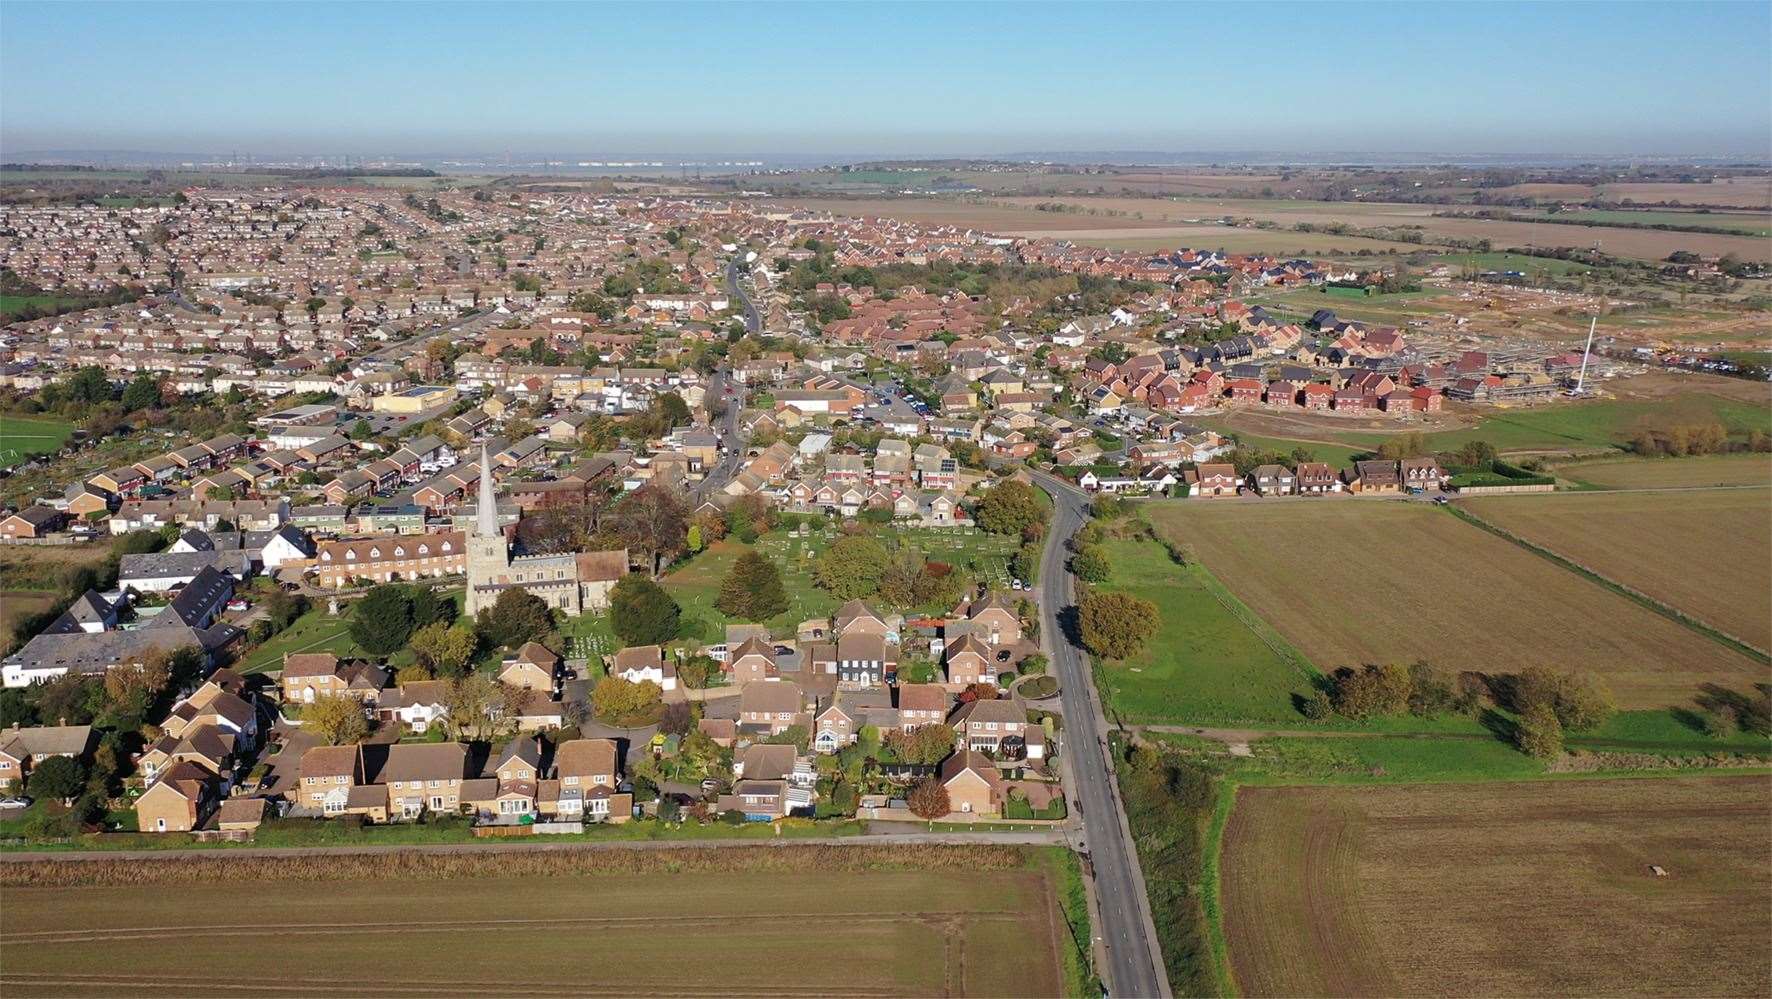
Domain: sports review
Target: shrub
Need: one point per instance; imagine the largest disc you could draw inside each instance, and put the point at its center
(1538, 732)
(1091, 564)
(928, 799)
(1317, 706)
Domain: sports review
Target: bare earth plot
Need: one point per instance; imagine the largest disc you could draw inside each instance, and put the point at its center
(1535, 889)
(1706, 552)
(867, 933)
(1350, 581)
(1673, 473)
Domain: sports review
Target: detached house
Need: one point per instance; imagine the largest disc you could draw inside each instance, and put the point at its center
(999, 728)
(1273, 480)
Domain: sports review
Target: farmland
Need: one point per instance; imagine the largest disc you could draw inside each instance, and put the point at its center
(1645, 244)
(1362, 581)
(1208, 662)
(1671, 473)
(23, 436)
(1707, 553)
(1501, 889)
(735, 925)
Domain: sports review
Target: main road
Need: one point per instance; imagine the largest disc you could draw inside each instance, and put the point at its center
(1134, 963)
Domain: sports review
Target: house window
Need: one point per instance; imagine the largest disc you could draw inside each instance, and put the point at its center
(436, 801)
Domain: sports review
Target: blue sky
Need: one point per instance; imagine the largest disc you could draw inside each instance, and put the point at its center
(888, 79)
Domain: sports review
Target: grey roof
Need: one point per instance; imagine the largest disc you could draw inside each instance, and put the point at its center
(157, 565)
(199, 596)
(94, 652)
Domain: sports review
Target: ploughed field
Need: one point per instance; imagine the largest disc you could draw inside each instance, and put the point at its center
(1707, 553)
(671, 932)
(1349, 581)
(1533, 889)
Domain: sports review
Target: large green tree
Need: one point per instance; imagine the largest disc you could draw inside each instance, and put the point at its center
(443, 648)
(1116, 625)
(852, 567)
(641, 612)
(517, 616)
(381, 622)
(1010, 507)
(752, 590)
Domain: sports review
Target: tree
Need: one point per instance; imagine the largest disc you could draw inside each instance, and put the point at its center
(641, 612)
(1580, 701)
(1116, 625)
(444, 649)
(1091, 564)
(752, 590)
(653, 520)
(335, 720)
(928, 799)
(1538, 732)
(1010, 507)
(141, 393)
(904, 569)
(851, 567)
(925, 744)
(469, 702)
(698, 671)
(624, 704)
(381, 622)
(517, 616)
(1371, 691)
(57, 778)
(362, 431)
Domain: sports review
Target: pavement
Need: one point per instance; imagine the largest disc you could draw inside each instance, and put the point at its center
(1130, 962)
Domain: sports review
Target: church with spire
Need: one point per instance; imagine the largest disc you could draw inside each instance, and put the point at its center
(573, 582)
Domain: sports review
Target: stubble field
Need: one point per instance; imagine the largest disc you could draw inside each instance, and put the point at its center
(1672, 473)
(670, 933)
(1351, 581)
(1707, 553)
(1531, 889)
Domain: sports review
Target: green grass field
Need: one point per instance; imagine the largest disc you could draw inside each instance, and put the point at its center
(23, 436)
(1339, 455)
(696, 585)
(1746, 223)
(1212, 661)
(1556, 427)
(315, 631)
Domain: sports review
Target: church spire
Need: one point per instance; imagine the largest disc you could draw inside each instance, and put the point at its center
(486, 525)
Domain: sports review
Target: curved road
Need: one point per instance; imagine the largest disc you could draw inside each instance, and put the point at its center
(1134, 964)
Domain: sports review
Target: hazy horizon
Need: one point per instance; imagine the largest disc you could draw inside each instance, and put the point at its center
(854, 82)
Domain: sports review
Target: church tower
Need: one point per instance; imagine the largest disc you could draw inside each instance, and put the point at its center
(489, 556)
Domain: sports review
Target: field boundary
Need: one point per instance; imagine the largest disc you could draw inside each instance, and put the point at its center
(1275, 641)
(1668, 611)
(1212, 882)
